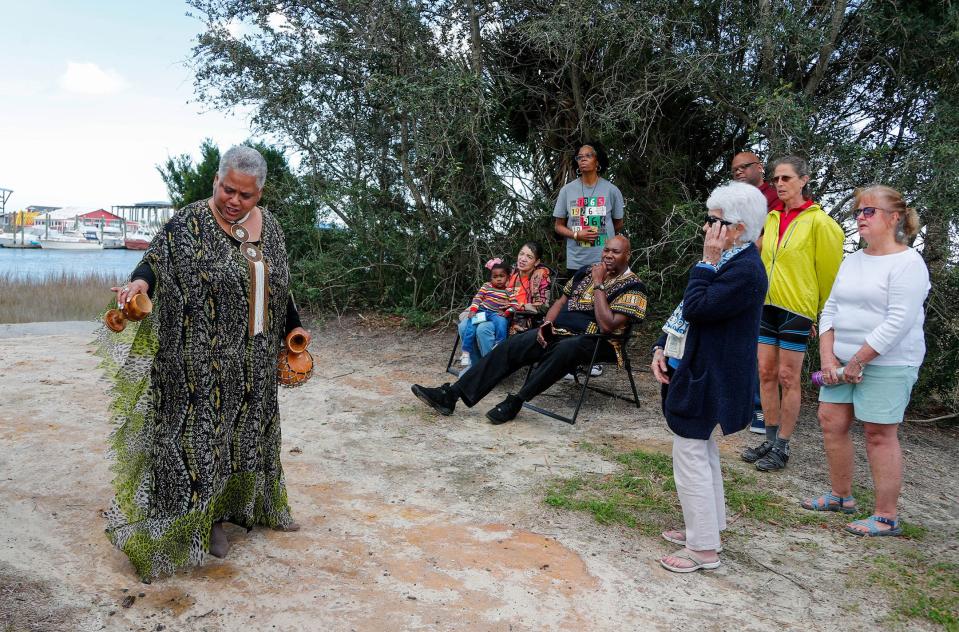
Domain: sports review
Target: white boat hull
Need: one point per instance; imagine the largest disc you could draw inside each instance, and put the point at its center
(52, 244)
(7, 240)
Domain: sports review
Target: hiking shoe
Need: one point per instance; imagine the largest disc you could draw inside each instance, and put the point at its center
(751, 455)
(505, 411)
(775, 460)
(441, 399)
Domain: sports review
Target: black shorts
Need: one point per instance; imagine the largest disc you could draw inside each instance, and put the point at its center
(784, 329)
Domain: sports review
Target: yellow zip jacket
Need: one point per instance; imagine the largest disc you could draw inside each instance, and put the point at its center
(803, 264)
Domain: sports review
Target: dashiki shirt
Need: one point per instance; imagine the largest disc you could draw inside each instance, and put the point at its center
(197, 437)
(625, 294)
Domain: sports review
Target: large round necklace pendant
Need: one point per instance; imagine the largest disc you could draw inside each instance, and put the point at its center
(251, 253)
(239, 232)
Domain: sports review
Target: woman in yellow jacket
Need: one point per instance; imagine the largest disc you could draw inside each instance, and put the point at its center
(802, 250)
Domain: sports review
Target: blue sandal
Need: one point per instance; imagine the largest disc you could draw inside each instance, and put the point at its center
(831, 502)
(872, 524)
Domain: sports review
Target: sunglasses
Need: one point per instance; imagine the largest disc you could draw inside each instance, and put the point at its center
(579, 157)
(866, 211)
(776, 179)
(712, 219)
(739, 168)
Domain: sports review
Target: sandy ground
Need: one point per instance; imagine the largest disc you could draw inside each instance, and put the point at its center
(412, 521)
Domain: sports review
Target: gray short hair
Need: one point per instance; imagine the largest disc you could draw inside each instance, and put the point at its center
(741, 203)
(243, 159)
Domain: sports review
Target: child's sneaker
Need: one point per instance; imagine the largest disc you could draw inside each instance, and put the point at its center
(465, 358)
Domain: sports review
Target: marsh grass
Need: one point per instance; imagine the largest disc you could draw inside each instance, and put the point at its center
(54, 298)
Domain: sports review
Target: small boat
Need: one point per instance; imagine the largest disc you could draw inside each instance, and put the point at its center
(112, 238)
(70, 240)
(138, 241)
(19, 240)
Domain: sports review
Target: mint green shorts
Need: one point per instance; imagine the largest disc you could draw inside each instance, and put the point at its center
(881, 397)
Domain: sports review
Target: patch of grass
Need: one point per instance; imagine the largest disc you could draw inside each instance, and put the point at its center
(919, 587)
(55, 298)
(746, 497)
(641, 495)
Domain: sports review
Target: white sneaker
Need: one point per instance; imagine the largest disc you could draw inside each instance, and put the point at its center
(465, 359)
(569, 376)
(596, 370)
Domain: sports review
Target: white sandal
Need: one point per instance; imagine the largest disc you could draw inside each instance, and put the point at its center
(682, 541)
(686, 554)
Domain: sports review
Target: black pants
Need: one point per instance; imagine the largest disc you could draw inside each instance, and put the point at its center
(560, 357)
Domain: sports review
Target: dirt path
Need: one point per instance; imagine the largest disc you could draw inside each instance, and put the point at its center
(410, 521)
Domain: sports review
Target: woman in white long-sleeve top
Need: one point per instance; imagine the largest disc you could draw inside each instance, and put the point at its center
(871, 327)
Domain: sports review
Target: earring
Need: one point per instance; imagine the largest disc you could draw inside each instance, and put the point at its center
(578, 172)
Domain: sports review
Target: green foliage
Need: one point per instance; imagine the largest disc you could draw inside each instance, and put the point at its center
(438, 134)
(185, 182)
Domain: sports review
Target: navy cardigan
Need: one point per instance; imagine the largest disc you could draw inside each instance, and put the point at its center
(716, 380)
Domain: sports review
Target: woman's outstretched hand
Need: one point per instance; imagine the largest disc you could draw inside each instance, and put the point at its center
(128, 291)
(659, 366)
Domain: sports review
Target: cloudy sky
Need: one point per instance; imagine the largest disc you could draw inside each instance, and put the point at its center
(93, 95)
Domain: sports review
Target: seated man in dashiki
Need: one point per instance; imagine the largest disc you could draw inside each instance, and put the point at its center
(605, 298)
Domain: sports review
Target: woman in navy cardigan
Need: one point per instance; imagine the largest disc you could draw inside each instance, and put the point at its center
(706, 362)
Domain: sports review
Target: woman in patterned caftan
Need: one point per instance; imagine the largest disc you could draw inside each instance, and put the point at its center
(197, 440)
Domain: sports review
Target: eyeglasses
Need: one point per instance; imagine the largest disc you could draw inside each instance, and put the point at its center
(712, 219)
(743, 167)
(776, 179)
(866, 211)
(579, 157)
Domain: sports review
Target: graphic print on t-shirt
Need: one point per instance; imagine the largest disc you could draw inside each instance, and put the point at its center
(589, 211)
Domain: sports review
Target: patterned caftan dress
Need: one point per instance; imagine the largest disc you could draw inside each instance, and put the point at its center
(197, 437)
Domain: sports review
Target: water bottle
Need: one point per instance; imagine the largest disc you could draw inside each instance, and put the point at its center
(816, 378)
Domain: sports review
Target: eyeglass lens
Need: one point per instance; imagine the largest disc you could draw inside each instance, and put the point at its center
(711, 219)
(579, 157)
(866, 211)
(739, 168)
(783, 178)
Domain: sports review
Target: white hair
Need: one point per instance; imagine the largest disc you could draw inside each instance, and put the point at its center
(740, 203)
(246, 160)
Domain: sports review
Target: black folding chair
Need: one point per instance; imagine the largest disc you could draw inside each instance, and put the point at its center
(456, 346)
(623, 339)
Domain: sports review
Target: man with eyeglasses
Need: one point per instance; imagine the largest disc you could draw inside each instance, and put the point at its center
(749, 169)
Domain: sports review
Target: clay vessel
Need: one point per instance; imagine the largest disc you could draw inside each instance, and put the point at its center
(295, 364)
(136, 309)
